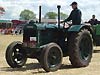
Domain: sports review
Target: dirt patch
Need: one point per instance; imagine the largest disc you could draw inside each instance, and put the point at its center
(32, 67)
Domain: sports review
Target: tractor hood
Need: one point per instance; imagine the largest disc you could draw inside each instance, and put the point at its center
(40, 26)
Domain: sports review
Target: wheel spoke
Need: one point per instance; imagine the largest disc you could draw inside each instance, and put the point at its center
(17, 55)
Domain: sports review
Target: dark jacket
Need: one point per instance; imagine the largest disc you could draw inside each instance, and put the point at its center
(75, 16)
(93, 21)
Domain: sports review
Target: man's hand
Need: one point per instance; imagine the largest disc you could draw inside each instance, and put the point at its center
(66, 25)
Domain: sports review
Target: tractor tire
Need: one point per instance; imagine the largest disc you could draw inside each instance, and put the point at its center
(15, 55)
(80, 48)
(51, 57)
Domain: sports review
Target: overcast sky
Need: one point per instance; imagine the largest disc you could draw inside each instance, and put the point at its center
(14, 7)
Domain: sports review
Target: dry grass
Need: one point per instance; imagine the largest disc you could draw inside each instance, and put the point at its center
(32, 66)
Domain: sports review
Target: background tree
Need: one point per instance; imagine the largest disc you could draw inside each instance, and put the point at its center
(2, 11)
(27, 15)
(50, 15)
(53, 15)
(63, 16)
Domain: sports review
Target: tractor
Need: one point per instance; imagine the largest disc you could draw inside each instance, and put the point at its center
(49, 43)
(96, 34)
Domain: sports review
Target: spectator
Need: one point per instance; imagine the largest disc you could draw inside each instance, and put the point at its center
(93, 21)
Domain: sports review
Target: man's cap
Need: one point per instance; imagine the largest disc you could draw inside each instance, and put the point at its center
(73, 3)
(93, 15)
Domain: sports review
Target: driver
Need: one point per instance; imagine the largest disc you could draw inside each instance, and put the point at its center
(75, 15)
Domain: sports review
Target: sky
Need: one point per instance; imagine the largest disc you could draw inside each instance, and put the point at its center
(13, 8)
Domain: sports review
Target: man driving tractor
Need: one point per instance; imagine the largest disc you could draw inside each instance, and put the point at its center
(75, 15)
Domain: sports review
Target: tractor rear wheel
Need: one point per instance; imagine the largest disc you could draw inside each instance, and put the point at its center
(80, 48)
(51, 57)
(15, 55)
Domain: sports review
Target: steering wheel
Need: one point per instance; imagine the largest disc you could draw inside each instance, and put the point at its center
(66, 25)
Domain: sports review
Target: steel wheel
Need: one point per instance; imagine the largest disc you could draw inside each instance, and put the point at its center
(51, 57)
(15, 55)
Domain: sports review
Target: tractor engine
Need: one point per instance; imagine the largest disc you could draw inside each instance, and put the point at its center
(36, 35)
(29, 36)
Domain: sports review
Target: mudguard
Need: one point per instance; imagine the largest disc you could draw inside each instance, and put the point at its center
(77, 28)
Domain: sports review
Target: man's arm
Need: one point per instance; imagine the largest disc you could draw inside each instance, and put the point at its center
(97, 21)
(89, 21)
(69, 18)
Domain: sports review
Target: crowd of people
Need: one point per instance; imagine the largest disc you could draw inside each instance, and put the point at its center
(13, 31)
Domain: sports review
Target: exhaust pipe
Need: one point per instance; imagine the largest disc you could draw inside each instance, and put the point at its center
(39, 14)
(58, 6)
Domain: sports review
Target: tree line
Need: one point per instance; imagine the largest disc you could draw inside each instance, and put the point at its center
(28, 14)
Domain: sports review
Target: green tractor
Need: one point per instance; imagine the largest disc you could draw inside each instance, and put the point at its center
(96, 35)
(49, 43)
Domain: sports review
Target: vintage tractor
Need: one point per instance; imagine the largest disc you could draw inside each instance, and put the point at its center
(49, 43)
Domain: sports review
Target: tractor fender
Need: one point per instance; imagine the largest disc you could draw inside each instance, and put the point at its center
(15, 43)
(77, 28)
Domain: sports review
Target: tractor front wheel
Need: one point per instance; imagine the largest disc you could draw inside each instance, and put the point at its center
(51, 57)
(15, 55)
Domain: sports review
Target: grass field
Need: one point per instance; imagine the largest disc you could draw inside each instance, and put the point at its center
(32, 66)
